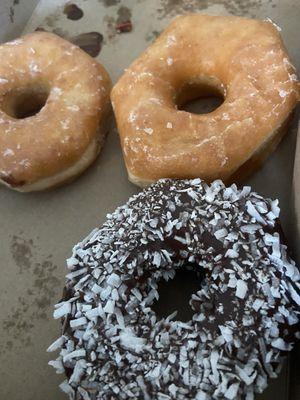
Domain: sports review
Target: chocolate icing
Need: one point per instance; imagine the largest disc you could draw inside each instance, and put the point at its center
(113, 346)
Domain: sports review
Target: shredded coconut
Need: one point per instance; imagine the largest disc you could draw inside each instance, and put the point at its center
(246, 311)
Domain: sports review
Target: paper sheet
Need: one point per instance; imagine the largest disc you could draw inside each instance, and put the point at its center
(38, 230)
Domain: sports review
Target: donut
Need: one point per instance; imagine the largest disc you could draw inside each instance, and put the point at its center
(240, 60)
(246, 311)
(54, 108)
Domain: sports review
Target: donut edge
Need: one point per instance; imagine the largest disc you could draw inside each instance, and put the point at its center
(244, 171)
(76, 169)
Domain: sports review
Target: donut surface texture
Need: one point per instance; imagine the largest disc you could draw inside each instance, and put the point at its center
(54, 107)
(241, 60)
(114, 346)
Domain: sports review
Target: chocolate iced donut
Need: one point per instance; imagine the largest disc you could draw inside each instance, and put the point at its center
(114, 346)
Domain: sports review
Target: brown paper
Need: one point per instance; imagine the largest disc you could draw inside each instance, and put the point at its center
(38, 230)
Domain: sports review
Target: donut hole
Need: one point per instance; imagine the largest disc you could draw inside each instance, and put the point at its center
(175, 294)
(24, 102)
(201, 96)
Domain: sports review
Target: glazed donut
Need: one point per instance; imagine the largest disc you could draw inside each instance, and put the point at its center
(241, 60)
(114, 346)
(54, 107)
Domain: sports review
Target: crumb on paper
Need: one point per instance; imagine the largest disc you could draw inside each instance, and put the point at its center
(124, 27)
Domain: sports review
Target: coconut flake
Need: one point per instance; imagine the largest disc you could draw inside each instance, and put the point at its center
(57, 344)
(202, 396)
(254, 213)
(232, 391)
(114, 280)
(74, 323)
(58, 365)
(74, 354)
(84, 394)
(78, 371)
(130, 341)
(257, 304)
(241, 289)
(109, 307)
(282, 345)
(230, 253)
(66, 388)
(221, 233)
(63, 310)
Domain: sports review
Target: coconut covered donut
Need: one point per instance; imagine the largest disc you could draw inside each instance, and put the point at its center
(114, 346)
(54, 104)
(241, 60)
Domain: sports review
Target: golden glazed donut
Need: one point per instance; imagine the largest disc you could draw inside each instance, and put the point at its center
(54, 107)
(242, 60)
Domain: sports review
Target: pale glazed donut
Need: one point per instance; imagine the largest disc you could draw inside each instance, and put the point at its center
(62, 139)
(240, 59)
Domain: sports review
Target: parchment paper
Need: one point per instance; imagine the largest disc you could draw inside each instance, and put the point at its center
(38, 230)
